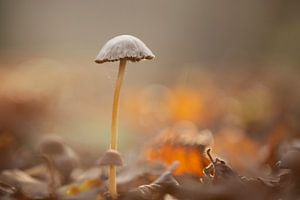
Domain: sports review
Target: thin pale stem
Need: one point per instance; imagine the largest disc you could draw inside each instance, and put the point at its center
(114, 127)
(115, 112)
(112, 182)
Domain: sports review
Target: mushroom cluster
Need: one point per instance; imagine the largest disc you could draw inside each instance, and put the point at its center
(122, 48)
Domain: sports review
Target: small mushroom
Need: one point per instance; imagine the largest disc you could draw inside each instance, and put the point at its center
(64, 158)
(111, 157)
(122, 48)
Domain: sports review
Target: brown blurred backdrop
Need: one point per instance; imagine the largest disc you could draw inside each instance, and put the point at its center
(47, 50)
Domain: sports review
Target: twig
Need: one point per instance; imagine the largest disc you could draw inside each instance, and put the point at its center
(209, 156)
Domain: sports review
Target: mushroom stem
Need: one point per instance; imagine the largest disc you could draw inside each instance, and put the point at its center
(115, 112)
(112, 181)
(114, 127)
(51, 171)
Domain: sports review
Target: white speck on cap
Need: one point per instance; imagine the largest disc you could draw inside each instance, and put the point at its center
(124, 47)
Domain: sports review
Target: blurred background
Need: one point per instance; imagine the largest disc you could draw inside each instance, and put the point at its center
(228, 66)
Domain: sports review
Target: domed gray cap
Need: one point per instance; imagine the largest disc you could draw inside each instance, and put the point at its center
(52, 145)
(124, 47)
(111, 157)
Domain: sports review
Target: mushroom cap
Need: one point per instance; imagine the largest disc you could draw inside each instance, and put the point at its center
(111, 157)
(124, 47)
(51, 145)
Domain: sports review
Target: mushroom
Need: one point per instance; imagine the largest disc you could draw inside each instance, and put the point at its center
(64, 157)
(54, 150)
(122, 48)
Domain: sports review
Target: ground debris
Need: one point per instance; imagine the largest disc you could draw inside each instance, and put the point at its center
(165, 184)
